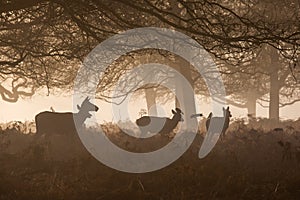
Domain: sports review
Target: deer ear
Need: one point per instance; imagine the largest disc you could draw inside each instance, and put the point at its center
(178, 110)
(78, 107)
(173, 112)
(228, 108)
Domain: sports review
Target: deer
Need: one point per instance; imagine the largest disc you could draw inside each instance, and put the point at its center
(162, 125)
(62, 123)
(217, 120)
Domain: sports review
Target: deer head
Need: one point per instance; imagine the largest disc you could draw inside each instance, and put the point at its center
(87, 106)
(177, 114)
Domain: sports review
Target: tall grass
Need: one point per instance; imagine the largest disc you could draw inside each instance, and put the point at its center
(247, 164)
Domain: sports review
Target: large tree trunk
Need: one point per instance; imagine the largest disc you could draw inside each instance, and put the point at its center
(274, 97)
(150, 94)
(251, 105)
(274, 87)
(183, 95)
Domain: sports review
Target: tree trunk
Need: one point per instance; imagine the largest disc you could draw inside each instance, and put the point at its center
(274, 97)
(150, 94)
(183, 95)
(251, 106)
(251, 102)
(274, 87)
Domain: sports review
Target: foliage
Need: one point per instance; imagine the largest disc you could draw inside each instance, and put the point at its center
(43, 42)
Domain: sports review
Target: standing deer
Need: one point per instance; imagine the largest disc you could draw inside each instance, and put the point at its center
(217, 120)
(162, 125)
(63, 123)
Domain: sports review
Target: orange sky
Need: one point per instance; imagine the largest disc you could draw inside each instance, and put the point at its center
(28, 108)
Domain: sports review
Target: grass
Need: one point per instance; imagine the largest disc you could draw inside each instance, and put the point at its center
(248, 164)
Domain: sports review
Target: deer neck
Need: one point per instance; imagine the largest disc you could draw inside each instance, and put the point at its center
(174, 122)
(81, 116)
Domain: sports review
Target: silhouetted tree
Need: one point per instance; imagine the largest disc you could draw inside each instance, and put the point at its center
(43, 42)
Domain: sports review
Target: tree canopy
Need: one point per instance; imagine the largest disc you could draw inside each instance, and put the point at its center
(42, 42)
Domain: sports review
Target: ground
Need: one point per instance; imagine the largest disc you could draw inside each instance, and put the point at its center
(248, 164)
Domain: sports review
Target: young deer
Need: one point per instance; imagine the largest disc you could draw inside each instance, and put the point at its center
(63, 123)
(161, 125)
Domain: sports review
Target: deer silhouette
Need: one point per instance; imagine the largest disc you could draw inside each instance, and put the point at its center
(162, 125)
(63, 123)
(219, 120)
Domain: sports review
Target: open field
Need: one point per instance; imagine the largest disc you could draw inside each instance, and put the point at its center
(248, 164)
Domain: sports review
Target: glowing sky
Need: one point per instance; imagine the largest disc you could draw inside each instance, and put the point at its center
(26, 109)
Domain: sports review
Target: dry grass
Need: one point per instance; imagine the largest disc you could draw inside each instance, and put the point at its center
(248, 164)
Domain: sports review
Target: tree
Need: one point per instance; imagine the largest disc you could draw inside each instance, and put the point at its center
(267, 78)
(43, 41)
(36, 50)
